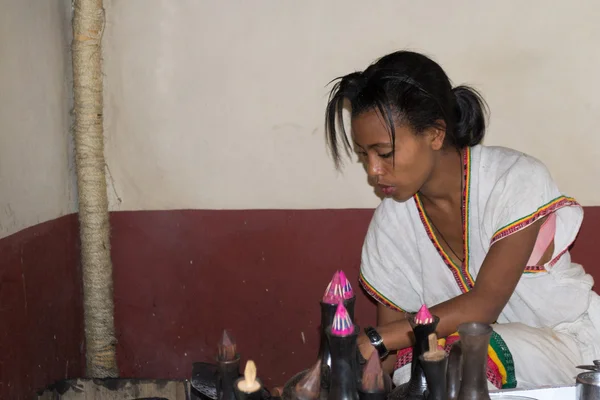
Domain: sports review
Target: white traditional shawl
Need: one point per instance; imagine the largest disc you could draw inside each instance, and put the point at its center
(403, 265)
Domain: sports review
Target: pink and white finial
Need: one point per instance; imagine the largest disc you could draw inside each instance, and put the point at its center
(339, 289)
(347, 292)
(333, 293)
(423, 316)
(342, 324)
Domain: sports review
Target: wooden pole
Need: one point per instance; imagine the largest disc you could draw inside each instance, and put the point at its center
(94, 225)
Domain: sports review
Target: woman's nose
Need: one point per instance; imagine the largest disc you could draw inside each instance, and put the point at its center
(374, 168)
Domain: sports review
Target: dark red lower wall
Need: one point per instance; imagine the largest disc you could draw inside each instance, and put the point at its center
(180, 278)
(183, 276)
(41, 328)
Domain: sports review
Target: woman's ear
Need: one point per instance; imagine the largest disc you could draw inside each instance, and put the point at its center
(437, 139)
(437, 135)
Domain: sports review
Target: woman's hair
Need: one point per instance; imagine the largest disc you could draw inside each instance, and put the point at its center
(406, 88)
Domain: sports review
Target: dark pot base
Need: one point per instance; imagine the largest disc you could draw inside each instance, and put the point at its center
(404, 392)
(371, 395)
(289, 386)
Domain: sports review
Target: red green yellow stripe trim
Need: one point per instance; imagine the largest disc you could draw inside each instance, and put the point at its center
(500, 355)
(500, 367)
(546, 209)
(466, 214)
(461, 273)
(376, 295)
(534, 269)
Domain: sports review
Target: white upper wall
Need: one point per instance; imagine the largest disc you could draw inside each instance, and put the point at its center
(220, 104)
(35, 179)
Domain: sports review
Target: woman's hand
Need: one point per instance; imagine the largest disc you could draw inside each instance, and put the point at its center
(366, 350)
(364, 346)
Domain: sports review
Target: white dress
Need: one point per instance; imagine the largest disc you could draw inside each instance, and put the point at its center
(550, 323)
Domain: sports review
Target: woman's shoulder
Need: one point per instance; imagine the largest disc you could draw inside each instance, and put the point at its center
(502, 162)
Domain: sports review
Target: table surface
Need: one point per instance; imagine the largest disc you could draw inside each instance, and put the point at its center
(546, 393)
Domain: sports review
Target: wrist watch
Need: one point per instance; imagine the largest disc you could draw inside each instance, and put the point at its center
(376, 341)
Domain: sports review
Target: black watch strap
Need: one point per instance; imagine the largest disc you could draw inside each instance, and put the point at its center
(376, 341)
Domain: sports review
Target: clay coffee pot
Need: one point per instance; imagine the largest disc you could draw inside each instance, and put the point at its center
(461, 375)
(423, 324)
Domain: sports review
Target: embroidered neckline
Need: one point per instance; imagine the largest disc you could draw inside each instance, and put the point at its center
(460, 272)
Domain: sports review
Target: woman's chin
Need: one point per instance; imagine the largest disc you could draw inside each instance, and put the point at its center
(401, 197)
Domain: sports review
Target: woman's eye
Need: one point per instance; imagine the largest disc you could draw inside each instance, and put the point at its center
(386, 155)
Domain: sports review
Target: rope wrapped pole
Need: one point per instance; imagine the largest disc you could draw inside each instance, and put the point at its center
(94, 225)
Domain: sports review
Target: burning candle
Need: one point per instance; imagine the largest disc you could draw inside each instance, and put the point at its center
(248, 387)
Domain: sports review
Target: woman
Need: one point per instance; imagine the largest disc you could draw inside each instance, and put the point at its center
(476, 233)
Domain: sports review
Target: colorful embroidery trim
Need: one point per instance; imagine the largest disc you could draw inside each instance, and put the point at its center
(376, 295)
(461, 273)
(500, 369)
(534, 269)
(548, 208)
(500, 355)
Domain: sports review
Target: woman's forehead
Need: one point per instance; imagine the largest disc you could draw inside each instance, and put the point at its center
(370, 128)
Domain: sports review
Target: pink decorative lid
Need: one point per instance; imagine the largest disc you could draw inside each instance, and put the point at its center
(347, 291)
(342, 324)
(333, 293)
(423, 317)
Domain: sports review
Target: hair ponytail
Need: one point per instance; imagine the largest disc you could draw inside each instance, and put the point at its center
(470, 112)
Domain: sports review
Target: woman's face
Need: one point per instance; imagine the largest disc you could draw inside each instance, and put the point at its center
(398, 172)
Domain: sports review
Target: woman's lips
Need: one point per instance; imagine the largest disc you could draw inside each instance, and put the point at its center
(387, 190)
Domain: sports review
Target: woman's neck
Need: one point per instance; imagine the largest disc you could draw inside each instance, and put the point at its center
(443, 190)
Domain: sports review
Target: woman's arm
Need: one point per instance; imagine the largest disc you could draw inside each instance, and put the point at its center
(385, 316)
(496, 281)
